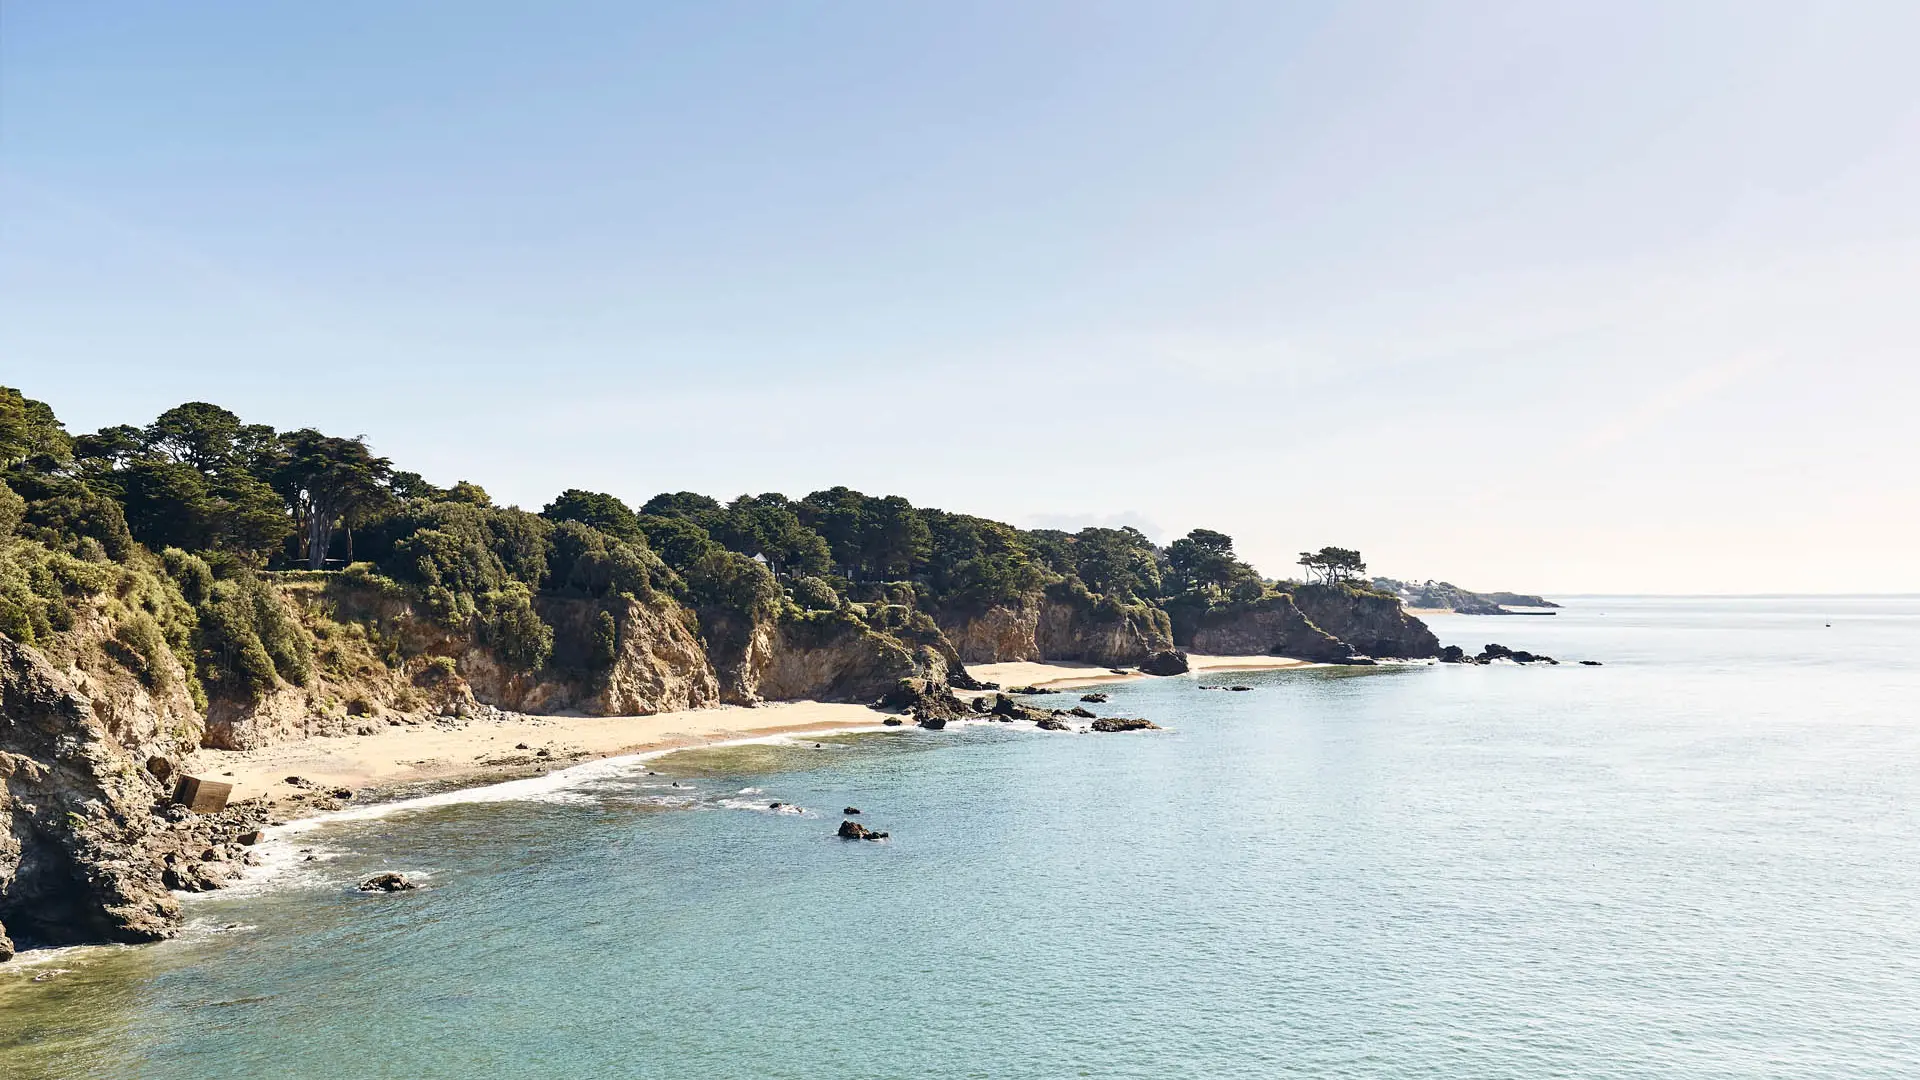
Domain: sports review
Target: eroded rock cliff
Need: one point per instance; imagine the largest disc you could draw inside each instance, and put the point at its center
(77, 813)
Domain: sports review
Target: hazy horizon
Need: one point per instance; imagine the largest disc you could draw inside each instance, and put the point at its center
(1603, 299)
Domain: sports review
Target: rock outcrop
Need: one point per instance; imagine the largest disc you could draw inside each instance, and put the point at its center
(1273, 626)
(1374, 624)
(75, 811)
(1165, 662)
(1122, 723)
(1059, 623)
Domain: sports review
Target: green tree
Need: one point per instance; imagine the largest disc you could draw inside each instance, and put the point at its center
(325, 479)
(1333, 564)
(1203, 559)
(602, 511)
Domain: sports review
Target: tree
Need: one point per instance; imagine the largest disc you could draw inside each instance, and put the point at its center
(325, 479)
(1118, 562)
(1333, 564)
(197, 434)
(600, 510)
(1204, 560)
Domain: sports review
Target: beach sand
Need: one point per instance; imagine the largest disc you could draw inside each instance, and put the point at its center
(1062, 674)
(486, 750)
(483, 750)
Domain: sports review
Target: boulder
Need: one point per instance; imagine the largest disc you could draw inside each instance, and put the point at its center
(932, 723)
(892, 721)
(1093, 699)
(852, 811)
(389, 881)
(1122, 723)
(1048, 723)
(1165, 662)
(1082, 712)
(1453, 654)
(853, 830)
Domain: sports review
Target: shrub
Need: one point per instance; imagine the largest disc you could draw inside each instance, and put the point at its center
(814, 594)
(606, 641)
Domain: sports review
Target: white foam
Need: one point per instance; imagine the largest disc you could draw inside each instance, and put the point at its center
(278, 854)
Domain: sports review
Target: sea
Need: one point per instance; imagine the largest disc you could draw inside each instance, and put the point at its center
(1700, 859)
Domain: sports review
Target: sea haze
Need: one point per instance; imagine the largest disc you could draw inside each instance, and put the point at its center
(1696, 861)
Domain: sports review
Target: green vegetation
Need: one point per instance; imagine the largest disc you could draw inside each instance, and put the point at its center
(238, 513)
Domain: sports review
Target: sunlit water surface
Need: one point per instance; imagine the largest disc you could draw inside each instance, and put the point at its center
(1700, 860)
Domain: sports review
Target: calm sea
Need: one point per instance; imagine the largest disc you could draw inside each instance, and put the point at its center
(1701, 860)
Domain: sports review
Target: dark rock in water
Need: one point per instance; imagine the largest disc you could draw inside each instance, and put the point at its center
(1094, 699)
(1165, 662)
(249, 838)
(1359, 661)
(1006, 707)
(853, 830)
(932, 723)
(892, 721)
(1081, 712)
(1453, 654)
(852, 810)
(1033, 690)
(1589, 663)
(1122, 723)
(1519, 656)
(980, 704)
(775, 805)
(1239, 689)
(1048, 723)
(390, 881)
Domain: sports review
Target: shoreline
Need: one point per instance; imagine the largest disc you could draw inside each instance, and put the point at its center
(1064, 675)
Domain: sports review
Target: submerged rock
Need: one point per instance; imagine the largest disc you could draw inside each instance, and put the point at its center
(1122, 723)
(851, 810)
(390, 881)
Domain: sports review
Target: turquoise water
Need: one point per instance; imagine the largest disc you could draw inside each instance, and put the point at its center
(1701, 860)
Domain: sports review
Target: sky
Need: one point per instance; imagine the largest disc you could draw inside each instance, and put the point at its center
(1560, 297)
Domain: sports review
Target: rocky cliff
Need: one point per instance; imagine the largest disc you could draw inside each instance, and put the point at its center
(1373, 623)
(77, 812)
(1273, 626)
(1059, 623)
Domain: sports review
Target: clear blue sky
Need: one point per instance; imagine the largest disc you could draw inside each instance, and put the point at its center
(1608, 296)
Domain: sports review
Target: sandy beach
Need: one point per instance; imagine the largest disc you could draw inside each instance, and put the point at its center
(446, 749)
(1064, 674)
(484, 750)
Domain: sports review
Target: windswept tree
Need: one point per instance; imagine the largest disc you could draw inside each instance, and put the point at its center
(1333, 564)
(327, 480)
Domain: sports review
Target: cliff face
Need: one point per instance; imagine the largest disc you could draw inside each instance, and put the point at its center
(76, 810)
(821, 656)
(1274, 626)
(1059, 625)
(1375, 625)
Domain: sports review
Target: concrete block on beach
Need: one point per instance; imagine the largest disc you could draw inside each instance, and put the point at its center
(202, 796)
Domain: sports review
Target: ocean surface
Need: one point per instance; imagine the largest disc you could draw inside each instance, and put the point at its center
(1700, 860)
